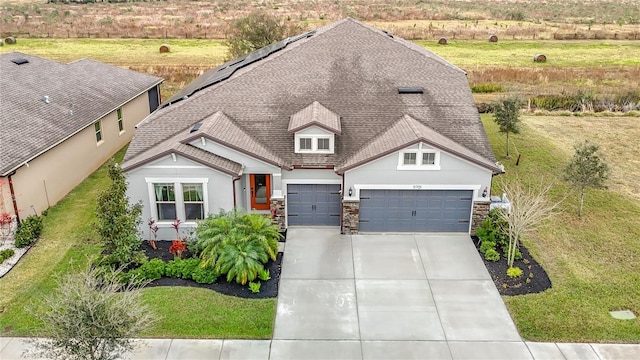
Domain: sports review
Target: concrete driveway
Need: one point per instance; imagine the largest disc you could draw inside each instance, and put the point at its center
(389, 297)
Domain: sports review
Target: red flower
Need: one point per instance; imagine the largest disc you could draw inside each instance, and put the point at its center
(177, 248)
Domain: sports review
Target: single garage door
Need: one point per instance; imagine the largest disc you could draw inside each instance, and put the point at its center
(313, 204)
(415, 210)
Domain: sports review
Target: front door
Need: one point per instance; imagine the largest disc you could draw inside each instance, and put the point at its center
(260, 191)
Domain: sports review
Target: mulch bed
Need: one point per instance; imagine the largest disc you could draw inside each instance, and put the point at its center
(268, 289)
(539, 281)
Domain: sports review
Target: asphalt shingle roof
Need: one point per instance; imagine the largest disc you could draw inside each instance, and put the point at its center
(79, 93)
(315, 114)
(350, 68)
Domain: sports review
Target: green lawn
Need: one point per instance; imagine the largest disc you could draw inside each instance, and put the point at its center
(68, 241)
(593, 261)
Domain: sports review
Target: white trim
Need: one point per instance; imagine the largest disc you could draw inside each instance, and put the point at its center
(419, 156)
(177, 185)
(197, 142)
(358, 187)
(314, 143)
(175, 167)
(286, 183)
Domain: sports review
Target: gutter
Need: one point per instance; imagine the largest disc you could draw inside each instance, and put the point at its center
(13, 196)
(79, 130)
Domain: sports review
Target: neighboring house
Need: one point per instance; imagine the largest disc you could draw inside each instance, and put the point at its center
(60, 122)
(344, 126)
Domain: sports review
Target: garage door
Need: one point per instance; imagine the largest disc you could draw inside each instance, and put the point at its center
(313, 204)
(415, 210)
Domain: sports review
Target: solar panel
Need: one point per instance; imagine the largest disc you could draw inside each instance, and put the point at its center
(227, 69)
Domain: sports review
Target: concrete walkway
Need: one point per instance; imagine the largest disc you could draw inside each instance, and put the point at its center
(378, 297)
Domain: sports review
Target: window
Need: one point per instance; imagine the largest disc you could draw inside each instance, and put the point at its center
(428, 158)
(323, 144)
(409, 159)
(305, 143)
(120, 122)
(98, 129)
(193, 201)
(165, 201)
(420, 157)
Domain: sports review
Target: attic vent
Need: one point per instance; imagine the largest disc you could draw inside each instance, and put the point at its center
(20, 61)
(410, 90)
(195, 127)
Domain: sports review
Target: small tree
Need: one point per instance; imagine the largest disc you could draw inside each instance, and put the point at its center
(506, 113)
(529, 209)
(91, 315)
(586, 169)
(116, 220)
(257, 30)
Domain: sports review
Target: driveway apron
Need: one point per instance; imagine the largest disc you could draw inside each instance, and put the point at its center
(386, 296)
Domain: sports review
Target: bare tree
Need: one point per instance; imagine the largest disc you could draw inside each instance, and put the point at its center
(91, 315)
(586, 169)
(529, 209)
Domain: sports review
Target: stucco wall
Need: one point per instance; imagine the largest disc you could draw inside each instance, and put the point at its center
(219, 189)
(454, 173)
(50, 176)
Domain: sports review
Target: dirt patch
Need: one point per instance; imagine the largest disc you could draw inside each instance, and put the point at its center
(534, 278)
(268, 289)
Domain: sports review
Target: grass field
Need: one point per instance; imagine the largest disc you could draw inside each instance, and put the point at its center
(593, 261)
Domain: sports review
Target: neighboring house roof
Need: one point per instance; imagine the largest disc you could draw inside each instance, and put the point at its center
(43, 102)
(345, 71)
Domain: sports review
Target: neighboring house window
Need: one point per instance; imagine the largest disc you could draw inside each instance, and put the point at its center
(120, 122)
(98, 128)
(165, 201)
(305, 144)
(419, 159)
(409, 158)
(323, 144)
(193, 201)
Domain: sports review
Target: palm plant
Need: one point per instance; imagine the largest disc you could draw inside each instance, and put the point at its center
(237, 244)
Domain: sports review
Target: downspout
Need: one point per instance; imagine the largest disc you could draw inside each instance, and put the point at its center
(13, 196)
(342, 207)
(233, 184)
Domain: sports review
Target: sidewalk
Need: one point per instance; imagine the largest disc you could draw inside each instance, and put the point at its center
(195, 349)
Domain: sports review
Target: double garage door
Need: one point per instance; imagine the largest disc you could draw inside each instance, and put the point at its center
(415, 210)
(313, 204)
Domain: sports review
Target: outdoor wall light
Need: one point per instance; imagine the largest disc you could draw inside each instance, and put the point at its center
(484, 192)
(350, 191)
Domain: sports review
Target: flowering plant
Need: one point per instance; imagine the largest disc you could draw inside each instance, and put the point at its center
(176, 225)
(154, 231)
(177, 248)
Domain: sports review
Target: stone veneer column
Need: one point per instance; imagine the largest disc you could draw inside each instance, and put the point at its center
(350, 216)
(277, 211)
(480, 212)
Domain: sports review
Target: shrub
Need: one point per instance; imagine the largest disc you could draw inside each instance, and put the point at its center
(264, 275)
(492, 255)
(28, 231)
(153, 269)
(177, 248)
(5, 254)
(204, 275)
(514, 272)
(487, 245)
(180, 268)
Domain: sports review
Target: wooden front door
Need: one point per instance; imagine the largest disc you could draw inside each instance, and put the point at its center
(260, 191)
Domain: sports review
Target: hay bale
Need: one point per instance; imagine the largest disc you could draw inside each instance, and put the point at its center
(10, 40)
(165, 48)
(540, 58)
(442, 41)
(493, 38)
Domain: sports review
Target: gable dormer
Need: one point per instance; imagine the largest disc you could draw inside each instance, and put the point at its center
(314, 129)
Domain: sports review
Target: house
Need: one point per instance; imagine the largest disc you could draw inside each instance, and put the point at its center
(60, 122)
(344, 126)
